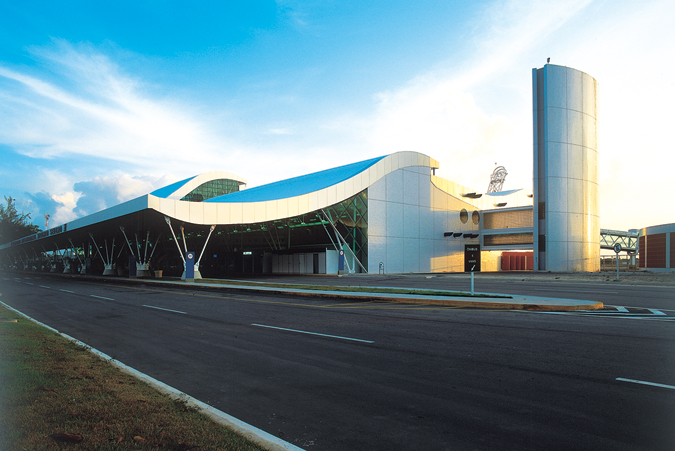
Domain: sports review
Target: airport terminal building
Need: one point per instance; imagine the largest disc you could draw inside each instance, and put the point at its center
(389, 214)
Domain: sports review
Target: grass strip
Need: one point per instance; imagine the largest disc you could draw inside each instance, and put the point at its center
(352, 289)
(56, 395)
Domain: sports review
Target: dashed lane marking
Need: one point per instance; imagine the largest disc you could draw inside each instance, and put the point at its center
(313, 333)
(67, 291)
(165, 309)
(101, 297)
(656, 312)
(615, 311)
(653, 384)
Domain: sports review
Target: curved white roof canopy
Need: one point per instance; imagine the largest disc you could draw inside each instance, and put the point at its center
(263, 204)
(181, 189)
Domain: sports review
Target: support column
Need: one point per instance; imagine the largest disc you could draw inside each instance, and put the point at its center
(108, 264)
(197, 274)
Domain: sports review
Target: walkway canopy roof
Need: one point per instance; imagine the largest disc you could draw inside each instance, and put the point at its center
(278, 200)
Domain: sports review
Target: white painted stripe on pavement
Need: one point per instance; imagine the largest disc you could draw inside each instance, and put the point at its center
(579, 290)
(67, 291)
(165, 309)
(645, 316)
(43, 286)
(258, 436)
(656, 312)
(101, 297)
(313, 333)
(654, 384)
(28, 283)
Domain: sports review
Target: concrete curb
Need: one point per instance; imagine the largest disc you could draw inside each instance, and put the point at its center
(508, 303)
(541, 304)
(257, 436)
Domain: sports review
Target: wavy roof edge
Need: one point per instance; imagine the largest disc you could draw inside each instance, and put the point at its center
(298, 186)
(180, 189)
(290, 197)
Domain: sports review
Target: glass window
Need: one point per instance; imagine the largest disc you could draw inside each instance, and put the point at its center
(211, 189)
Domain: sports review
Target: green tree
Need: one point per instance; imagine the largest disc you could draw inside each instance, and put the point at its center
(13, 224)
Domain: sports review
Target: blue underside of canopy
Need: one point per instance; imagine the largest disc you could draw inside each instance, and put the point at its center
(299, 185)
(169, 189)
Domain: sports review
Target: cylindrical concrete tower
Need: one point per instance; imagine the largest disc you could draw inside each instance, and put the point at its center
(566, 214)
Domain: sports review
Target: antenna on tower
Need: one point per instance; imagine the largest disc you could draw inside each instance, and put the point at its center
(497, 179)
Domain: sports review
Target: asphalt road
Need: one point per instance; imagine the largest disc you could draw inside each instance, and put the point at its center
(388, 376)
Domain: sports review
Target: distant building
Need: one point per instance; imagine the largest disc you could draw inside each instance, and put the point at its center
(657, 247)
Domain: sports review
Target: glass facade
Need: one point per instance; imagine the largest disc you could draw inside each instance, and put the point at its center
(351, 219)
(310, 232)
(211, 189)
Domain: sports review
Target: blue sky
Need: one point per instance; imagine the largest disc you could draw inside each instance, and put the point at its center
(103, 102)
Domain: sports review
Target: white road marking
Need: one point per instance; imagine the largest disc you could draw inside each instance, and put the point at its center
(165, 309)
(28, 283)
(643, 316)
(67, 291)
(101, 297)
(622, 309)
(313, 333)
(654, 384)
(43, 286)
(577, 291)
(656, 312)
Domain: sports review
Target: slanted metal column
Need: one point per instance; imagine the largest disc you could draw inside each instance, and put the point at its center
(345, 243)
(197, 274)
(23, 264)
(67, 268)
(213, 227)
(37, 258)
(77, 254)
(52, 263)
(142, 265)
(108, 264)
(182, 256)
(27, 260)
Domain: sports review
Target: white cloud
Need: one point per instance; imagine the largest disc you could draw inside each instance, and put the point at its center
(438, 113)
(106, 191)
(475, 114)
(65, 212)
(279, 131)
(97, 110)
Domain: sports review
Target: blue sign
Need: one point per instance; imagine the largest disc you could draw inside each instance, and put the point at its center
(190, 265)
(341, 262)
